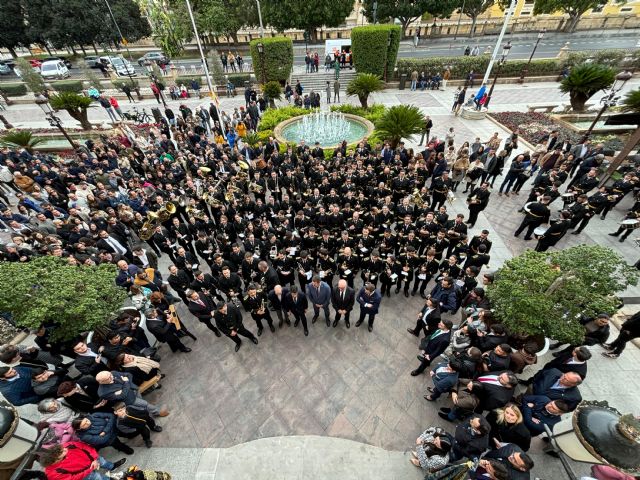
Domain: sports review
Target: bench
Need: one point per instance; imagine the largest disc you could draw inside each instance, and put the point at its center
(149, 384)
(548, 107)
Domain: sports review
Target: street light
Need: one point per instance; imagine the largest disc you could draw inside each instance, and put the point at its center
(386, 57)
(261, 54)
(52, 118)
(526, 68)
(455, 35)
(503, 58)
(609, 100)
(260, 19)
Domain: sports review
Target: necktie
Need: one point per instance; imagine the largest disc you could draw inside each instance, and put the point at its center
(116, 245)
(200, 302)
(435, 334)
(343, 295)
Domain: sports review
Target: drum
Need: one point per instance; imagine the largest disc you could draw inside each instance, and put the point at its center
(569, 197)
(630, 224)
(540, 231)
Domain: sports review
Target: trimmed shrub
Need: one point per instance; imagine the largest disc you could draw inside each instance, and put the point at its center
(13, 89)
(616, 58)
(238, 79)
(373, 113)
(187, 80)
(121, 83)
(277, 56)
(368, 42)
(74, 86)
(272, 117)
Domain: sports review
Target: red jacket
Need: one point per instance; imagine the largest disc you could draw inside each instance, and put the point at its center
(76, 465)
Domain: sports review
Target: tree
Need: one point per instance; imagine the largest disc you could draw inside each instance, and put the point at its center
(129, 18)
(20, 139)
(574, 8)
(305, 15)
(276, 60)
(170, 24)
(631, 105)
(32, 79)
(363, 85)
(76, 105)
(546, 293)
(398, 122)
(225, 17)
(407, 11)
(16, 35)
(49, 290)
(584, 81)
(273, 92)
(475, 8)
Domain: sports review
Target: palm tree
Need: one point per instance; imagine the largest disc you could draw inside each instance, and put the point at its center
(631, 104)
(75, 104)
(20, 139)
(400, 121)
(585, 80)
(363, 85)
(252, 139)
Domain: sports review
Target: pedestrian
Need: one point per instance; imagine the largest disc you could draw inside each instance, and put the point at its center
(369, 299)
(104, 102)
(328, 89)
(414, 80)
(223, 60)
(127, 91)
(229, 321)
(116, 106)
(132, 421)
(336, 91)
(445, 77)
(629, 330)
(156, 91)
(319, 294)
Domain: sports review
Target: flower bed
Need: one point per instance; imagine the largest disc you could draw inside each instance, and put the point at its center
(533, 126)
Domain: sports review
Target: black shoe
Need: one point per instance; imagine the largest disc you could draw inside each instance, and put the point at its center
(413, 293)
(411, 331)
(445, 409)
(148, 443)
(157, 428)
(287, 321)
(335, 323)
(358, 323)
(406, 293)
(444, 416)
(527, 238)
(306, 333)
(388, 293)
(280, 324)
(272, 328)
(575, 233)
(238, 345)
(295, 324)
(622, 240)
(328, 323)
(192, 336)
(347, 323)
(602, 217)
(313, 320)
(397, 290)
(218, 334)
(370, 328)
(615, 234)
(254, 340)
(185, 350)
(415, 373)
(420, 357)
(119, 463)
(260, 331)
(423, 295)
(126, 449)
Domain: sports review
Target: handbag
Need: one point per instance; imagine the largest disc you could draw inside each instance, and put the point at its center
(150, 352)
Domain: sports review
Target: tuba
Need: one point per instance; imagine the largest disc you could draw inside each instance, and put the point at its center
(165, 213)
(146, 232)
(417, 199)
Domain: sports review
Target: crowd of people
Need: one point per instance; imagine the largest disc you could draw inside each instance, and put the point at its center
(278, 231)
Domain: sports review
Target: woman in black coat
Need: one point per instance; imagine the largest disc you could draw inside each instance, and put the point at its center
(507, 427)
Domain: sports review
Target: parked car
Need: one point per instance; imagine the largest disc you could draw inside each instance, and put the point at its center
(9, 62)
(122, 67)
(158, 57)
(4, 69)
(54, 69)
(66, 62)
(36, 64)
(92, 61)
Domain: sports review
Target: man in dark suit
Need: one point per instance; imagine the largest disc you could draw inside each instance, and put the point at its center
(180, 282)
(536, 214)
(571, 361)
(538, 411)
(319, 294)
(343, 299)
(89, 359)
(203, 308)
(276, 300)
(444, 377)
(112, 245)
(433, 346)
(555, 385)
(15, 386)
(428, 319)
(493, 390)
(297, 304)
(164, 331)
(518, 463)
(555, 232)
(229, 320)
(369, 299)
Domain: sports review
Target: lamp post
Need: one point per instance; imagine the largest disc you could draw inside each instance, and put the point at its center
(455, 35)
(260, 19)
(122, 40)
(52, 118)
(261, 54)
(503, 58)
(526, 69)
(609, 100)
(386, 57)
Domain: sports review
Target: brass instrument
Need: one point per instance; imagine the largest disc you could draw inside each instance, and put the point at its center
(165, 213)
(205, 170)
(417, 199)
(197, 213)
(146, 232)
(255, 188)
(243, 165)
(199, 189)
(155, 218)
(211, 200)
(183, 201)
(242, 176)
(229, 195)
(172, 317)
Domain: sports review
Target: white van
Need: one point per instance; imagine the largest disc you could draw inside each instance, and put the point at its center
(54, 69)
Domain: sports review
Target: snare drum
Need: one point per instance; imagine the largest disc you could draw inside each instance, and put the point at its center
(540, 231)
(568, 197)
(527, 207)
(630, 224)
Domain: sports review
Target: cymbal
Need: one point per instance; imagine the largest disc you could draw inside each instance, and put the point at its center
(205, 169)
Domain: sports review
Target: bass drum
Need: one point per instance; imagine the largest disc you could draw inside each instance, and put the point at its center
(540, 231)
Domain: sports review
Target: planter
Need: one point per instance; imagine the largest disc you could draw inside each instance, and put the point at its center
(473, 114)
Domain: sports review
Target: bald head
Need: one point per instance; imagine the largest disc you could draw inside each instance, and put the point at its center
(104, 378)
(342, 284)
(277, 289)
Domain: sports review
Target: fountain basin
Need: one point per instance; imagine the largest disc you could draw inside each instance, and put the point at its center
(327, 128)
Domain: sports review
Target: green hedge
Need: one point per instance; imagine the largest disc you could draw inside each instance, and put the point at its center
(238, 79)
(371, 47)
(121, 83)
(187, 80)
(278, 59)
(373, 113)
(14, 89)
(74, 86)
(273, 116)
(615, 58)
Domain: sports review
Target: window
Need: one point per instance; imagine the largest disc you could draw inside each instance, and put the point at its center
(597, 9)
(626, 9)
(524, 14)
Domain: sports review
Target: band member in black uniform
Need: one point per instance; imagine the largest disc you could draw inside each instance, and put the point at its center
(297, 304)
(230, 284)
(229, 321)
(555, 232)
(440, 187)
(255, 302)
(305, 266)
(389, 275)
(371, 268)
(204, 283)
(326, 266)
(348, 265)
(409, 261)
(285, 267)
(425, 272)
(629, 227)
(536, 214)
(477, 201)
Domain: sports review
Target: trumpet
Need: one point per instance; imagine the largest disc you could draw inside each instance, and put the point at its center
(197, 213)
(211, 200)
(255, 188)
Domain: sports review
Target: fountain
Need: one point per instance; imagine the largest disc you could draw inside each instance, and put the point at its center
(327, 128)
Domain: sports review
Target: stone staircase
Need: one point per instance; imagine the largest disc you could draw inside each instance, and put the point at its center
(318, 81)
